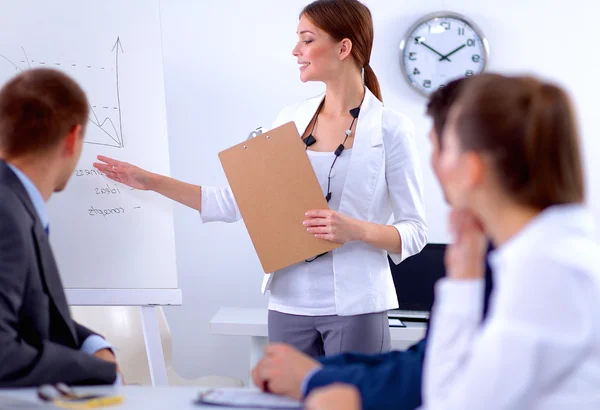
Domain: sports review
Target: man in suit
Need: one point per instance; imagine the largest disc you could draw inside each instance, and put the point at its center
(384, 381)
(43, 114)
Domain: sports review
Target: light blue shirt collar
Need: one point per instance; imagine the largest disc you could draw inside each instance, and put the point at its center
(34, 194)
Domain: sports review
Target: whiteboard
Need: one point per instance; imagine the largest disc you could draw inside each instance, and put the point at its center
(104, 235)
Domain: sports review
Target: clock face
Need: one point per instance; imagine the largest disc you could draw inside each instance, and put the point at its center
(441, 48)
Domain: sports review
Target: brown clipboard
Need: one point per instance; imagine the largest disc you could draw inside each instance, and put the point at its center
(274, 184)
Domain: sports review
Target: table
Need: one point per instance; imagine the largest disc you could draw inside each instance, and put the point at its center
(136, 397)
(253, 322)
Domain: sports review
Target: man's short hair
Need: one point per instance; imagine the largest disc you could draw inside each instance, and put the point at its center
(440, 102)
(38, 107)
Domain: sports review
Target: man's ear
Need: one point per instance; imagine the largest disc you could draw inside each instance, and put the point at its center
(345, 49)
(71, 139)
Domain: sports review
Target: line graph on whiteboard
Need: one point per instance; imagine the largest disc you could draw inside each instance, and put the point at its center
(100, 81)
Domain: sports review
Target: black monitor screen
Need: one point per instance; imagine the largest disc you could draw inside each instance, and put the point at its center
(415, 277)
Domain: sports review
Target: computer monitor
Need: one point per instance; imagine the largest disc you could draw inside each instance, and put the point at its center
(415, 278)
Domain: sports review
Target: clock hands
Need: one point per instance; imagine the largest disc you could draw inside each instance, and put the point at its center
(442, 56)
(434, 50)
(452, 52)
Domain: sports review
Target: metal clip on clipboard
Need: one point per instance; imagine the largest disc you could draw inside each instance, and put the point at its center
(256, 132)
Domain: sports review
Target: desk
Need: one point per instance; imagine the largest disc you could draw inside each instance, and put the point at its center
(253, 323)
(136, 397)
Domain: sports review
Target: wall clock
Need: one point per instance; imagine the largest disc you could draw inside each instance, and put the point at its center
(440, 47)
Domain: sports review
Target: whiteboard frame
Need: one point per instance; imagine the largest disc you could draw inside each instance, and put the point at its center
(124, 297)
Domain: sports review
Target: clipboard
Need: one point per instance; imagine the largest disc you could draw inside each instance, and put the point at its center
(274, 184)
(245, 398)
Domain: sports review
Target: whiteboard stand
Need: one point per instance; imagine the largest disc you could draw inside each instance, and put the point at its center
(156, 358)
(148, 300)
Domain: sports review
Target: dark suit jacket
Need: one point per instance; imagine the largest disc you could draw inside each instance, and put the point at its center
(39, 342)
(389, 381)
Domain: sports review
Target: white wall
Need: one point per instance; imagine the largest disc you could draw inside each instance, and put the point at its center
(228, 68)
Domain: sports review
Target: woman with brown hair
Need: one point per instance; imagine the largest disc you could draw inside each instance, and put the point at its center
(365, 158)
(511, 167)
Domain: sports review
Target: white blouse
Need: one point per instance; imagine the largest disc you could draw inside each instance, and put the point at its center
(539, 347)
(307, 288)
(383, 186)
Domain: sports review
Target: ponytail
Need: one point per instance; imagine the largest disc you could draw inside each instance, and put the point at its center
(371, 82)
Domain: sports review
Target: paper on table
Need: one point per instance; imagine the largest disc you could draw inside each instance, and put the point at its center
(247, 398)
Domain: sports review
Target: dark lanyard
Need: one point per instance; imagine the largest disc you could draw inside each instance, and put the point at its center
(310, 140)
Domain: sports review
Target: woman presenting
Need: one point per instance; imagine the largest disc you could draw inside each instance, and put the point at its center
(365, 158)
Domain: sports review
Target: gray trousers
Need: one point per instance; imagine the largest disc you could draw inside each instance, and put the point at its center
(331, 335)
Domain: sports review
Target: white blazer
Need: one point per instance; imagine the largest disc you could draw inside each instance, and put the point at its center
(383, 180)
(539, 347)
